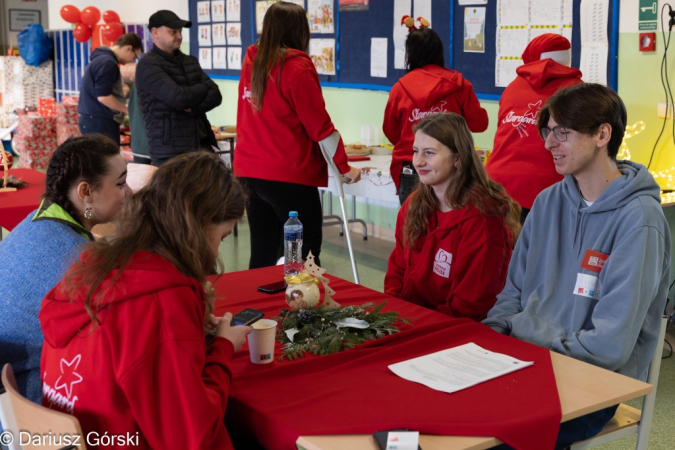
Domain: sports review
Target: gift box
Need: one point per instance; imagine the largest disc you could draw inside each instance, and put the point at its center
(65, 131)
(66, 114)
(68, 100)
(22, 85)
(34, 126)
(47, 106)
(35, 152)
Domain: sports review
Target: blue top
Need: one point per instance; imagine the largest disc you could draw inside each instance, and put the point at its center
(99, 79)
(34, 256)
(591, 282)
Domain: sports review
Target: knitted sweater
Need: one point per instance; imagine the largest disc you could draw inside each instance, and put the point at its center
(34, 256)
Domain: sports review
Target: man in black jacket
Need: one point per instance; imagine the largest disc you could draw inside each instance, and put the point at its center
(174, 93)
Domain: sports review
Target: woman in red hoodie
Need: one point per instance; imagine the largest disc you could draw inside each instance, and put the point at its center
(519, 160)
(455, 232)
(125, 346)
(281, 116)
(428, 88)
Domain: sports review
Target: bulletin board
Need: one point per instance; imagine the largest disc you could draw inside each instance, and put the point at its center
(479, 68)
(354, 30)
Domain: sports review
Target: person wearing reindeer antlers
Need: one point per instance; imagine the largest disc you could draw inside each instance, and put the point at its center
(427, 88)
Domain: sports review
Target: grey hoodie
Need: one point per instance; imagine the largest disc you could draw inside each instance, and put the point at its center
(561, 296)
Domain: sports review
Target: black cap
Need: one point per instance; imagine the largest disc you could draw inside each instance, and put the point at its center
(168, 19)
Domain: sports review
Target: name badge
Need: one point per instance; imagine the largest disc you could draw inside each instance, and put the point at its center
(442, 263)
(587, 286)
(594, 261)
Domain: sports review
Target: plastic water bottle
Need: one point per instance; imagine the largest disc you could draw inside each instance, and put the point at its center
(292, 245)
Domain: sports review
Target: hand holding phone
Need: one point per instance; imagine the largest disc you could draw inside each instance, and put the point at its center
(247, 317)
(235, 334)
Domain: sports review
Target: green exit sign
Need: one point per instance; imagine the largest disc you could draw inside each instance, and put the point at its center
(648, 10)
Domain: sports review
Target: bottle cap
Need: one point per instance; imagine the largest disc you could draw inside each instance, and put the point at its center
(293, 214)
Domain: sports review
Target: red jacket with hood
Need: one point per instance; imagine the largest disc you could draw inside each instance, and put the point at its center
(457, 268)
(145, 371)
(519, 161)
(428, 90)
(279, 143)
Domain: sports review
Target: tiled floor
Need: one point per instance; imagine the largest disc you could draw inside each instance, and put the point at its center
(371, 258)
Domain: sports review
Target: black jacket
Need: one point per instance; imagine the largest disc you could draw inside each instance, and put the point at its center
(167, 86)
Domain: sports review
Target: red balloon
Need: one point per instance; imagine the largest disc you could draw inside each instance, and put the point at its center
(112, 31)
(90, 15)
(110, 17)
(81, 32)
(70, 14)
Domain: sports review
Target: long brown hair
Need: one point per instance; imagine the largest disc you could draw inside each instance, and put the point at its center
(170, 216)
(284, 26)
(469, 184)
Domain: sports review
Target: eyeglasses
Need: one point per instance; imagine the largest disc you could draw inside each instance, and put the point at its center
(559, 132)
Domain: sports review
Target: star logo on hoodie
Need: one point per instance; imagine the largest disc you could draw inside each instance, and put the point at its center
(68, 375)
(531, 107)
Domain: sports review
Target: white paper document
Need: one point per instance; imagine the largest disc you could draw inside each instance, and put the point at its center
(401, 8)
(378, 57)
(457, 368)
(594, 42)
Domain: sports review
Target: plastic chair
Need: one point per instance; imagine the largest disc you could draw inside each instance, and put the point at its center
(328, 147)
(19, 413)
(628, 420)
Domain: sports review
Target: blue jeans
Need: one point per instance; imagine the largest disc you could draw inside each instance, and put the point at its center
(578, 429)
(92, 124)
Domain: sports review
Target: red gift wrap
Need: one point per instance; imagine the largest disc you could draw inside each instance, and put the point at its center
(35, 152)
(47, 107)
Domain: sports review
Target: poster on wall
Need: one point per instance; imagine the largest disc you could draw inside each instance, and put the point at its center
(19, 19)
(219, 58)
(353, 5)
(234, 58)
(203, 12)
(234, 33)
(218, 11)
(322, 52)
(234, 10)
(205, 58)
(321, 17)
(474, 30)
(218, 34)
(260, 10)
(204, 33)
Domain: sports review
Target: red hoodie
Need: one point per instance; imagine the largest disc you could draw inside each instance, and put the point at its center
(457, 268)
(145, 372)
(519, 161)
(428, 90)
(279, 143)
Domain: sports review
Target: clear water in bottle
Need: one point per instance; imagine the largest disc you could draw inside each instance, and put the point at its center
(292, 245)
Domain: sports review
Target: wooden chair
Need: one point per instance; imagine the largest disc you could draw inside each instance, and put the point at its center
(628, 420)
(19, 413)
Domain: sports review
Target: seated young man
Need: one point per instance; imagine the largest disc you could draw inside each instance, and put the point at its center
(589, 275)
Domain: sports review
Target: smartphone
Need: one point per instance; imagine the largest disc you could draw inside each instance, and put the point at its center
(272, 288)
(381, 438)
(247, 317)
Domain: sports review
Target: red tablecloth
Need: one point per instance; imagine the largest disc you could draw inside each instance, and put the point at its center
(354, 392)
(15, 206)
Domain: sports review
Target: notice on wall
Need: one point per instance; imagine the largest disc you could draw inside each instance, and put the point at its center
(353, 5)
(422, 8)
(322, 53)
(401, 8)
(594, 41)
(204, 33)
(205, 58)
(234, 58)
(321, 16)
(203, 12)
(218, 34)
(474, 30)
(261, 8)
(378, 57)
(218, 11)
(233, 33)
(219, 58)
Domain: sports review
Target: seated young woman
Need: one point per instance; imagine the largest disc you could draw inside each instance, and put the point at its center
(455, 233)
(125, 331)
(85, 186)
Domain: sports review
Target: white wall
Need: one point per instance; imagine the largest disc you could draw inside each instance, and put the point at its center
(130, 11)
(39, 5)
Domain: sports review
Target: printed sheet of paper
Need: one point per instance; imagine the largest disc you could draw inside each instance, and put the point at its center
(234, 33)
(422, 8)
(321, 16)
(512, 12)
(505, 70)
(401, 8)
(203, 12)
(457, 368)
(234, 58)
(474, 30)
(204, 32)
(594, 42)
(218, 11)
(234, 10)
(378, 57)
(322, 53)
(545, 12)
(471, 2)
(260, 10)
(205, 58)
(218, 34)
(219, 58)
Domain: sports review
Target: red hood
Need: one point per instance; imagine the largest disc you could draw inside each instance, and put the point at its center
(539, 73)
(430, 83)
(63, 317)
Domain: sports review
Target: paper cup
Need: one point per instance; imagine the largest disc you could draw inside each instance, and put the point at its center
(261, 341)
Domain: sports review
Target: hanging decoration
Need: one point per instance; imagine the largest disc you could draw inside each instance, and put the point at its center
(86, 24)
